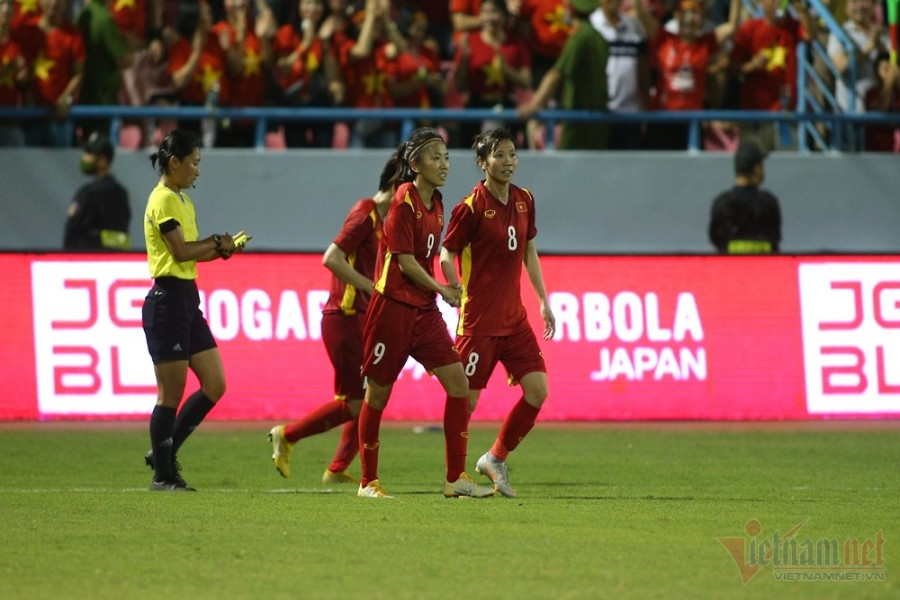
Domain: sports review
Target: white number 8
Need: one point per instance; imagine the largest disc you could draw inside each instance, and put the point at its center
(513, 242)
(472, 364)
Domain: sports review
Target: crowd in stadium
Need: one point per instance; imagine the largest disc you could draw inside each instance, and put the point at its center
(663, 55)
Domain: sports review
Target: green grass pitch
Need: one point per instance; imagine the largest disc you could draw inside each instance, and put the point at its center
(604, 511)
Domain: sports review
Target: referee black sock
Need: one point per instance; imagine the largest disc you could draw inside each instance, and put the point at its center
(192, 413)
(162, 422)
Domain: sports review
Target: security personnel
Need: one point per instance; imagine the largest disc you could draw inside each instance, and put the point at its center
(100, 213)
(746, 219)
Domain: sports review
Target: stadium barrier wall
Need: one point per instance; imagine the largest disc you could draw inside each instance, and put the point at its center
(638, 337)
(588, 203)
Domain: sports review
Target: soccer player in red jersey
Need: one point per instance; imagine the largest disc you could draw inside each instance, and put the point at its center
(491, 235)
(403, 318)
(351, 259)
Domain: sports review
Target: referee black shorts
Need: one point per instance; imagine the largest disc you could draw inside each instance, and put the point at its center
(174, 325)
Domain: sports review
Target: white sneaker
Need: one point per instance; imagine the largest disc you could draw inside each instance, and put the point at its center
(281, 451)
(492, 467)
(466, 486)
(373, 490)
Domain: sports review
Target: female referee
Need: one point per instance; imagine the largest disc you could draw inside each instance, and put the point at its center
(178, 336)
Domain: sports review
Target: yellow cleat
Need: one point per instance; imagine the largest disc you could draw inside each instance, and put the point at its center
(281, 451)
(335, 477)
(465, 486)
(373, 490)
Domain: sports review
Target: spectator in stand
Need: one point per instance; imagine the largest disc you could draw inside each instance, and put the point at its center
(417, 80)
(55, 52)
(627, 71)
(492, 64)
(14, 77)
(584, 55)
(306, 74)
(765, 57)
(338, 24)
(107, 54)
(440, 29)
(365, 67)
(247, 45)
(746, 219)
(197, 65)
(884, 97)
(465, 16)
(869, 38)
(682, 63)
(545, 25)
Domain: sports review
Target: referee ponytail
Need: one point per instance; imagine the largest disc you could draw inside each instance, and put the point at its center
(178, 143)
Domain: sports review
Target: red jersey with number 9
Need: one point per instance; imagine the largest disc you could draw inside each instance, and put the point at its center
(409, 228)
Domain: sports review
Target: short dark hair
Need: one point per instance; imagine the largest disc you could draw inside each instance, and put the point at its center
(748, 155)
(99, 145)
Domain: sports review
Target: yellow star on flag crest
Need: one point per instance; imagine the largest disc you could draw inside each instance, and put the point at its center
(374, 83)
(556, 20)
(208, 78)
(251, 63)
(122, 4)
(43, 66)
(777, 58)
(28, 6)
(312, 63)
(494, 72)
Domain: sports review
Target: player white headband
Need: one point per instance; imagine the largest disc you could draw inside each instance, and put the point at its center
(418, 148)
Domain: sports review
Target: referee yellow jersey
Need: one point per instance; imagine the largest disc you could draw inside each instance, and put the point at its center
(166, 207)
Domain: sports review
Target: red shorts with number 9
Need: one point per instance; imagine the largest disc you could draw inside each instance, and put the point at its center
(395, 331)
(519, 353)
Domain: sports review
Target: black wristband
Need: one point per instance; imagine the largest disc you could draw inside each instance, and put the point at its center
(218, 240)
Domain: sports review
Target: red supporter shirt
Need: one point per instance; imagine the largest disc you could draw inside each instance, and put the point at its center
(358, 238)
(25, 12)
(366, 79)
(10, 95)
(549, 26)
(131, 17)
(469, 7)
(486, 77)
(210, 69)
(415, 66)
(307, 64)
(248, 88)
(682, 68)
(409, 228)
(762, 89)
(53, 56)
(490, 239)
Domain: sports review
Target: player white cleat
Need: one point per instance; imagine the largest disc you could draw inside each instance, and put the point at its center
(466, 486)
(281, 451)
(372, 490)
(495, 469)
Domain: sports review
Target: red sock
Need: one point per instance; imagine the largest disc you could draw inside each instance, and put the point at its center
(329, 415)
(347, 448)
(369, 427)
(518, 423)
(456, 435)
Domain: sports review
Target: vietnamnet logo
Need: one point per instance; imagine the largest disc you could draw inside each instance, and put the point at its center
(636, 341)
(793, 557)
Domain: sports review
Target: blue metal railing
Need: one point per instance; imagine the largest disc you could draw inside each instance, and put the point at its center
(407, 118)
